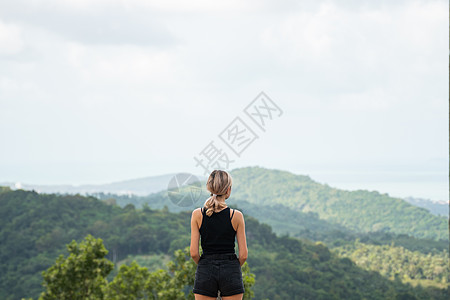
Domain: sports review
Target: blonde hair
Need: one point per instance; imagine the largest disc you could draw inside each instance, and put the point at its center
(218, 183)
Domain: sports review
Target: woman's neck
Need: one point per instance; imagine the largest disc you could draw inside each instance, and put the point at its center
(222, 205)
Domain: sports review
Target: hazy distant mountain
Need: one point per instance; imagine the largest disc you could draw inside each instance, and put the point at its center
(438, 208)
(139, 186)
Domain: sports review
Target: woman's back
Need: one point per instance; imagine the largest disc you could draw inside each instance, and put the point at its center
(217, 232)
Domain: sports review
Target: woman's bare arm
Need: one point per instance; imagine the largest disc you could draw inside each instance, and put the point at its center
(195, 235)
(241, 239)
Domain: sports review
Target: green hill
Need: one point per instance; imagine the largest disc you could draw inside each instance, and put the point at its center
(285, 220)
(267, 194)
(34, 229)
(359, 211)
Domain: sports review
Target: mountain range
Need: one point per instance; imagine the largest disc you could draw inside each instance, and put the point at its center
(138, 186)
(156, 184)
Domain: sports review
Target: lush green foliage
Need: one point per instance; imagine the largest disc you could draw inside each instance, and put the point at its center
(309, 205)
(34, 229)
(82, 276)
(79, 276)
(305, 225)
(393, 261)
(360, 211)
(289, 268)
(309, 226)
(284, 267)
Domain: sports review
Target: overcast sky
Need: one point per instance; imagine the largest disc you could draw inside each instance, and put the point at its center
(97, 91)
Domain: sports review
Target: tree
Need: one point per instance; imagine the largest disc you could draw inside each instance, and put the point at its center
(182, 273)
(129, 283)
(82, 275)
(79, 276)
(249, 281)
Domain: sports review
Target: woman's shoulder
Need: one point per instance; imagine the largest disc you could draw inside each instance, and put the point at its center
(197, 211)
(237, 212)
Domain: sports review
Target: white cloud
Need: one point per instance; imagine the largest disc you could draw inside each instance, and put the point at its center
(10, 39)
(395, 50)
(140, 80)
(304, 35)
(199, 6)
(123, 65)
(377, 100)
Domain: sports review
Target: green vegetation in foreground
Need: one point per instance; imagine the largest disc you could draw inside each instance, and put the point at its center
(152, 262)
(82, 275)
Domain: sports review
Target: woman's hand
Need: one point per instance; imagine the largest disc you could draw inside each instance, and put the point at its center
(196, 258)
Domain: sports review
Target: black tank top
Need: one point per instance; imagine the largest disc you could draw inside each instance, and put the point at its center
(217, 232)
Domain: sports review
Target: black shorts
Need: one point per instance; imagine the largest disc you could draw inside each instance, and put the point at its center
(218, 274)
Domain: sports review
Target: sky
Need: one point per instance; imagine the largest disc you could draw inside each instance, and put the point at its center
(99, 91)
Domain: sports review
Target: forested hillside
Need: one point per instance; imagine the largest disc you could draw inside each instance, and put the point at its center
(306, 225)
(361, 211)
(36, 227)
(286, 219)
